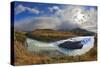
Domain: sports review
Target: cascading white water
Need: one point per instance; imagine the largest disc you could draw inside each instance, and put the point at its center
(86, 47)
(34, 45)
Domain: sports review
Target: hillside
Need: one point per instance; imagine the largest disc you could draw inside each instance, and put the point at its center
(54, 35)
(23, 56)
(82, 32)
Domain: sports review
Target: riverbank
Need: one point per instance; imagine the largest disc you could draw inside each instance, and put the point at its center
(22, 56)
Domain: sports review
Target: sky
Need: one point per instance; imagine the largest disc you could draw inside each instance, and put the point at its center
(28, 9)
(29, 16)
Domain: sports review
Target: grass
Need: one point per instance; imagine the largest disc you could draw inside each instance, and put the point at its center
(23, 57)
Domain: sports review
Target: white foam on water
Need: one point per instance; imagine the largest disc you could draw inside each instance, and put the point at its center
(34, 45)
(39, 45)
(86, 47)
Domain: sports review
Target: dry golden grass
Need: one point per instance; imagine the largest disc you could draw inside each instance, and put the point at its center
(23, 57)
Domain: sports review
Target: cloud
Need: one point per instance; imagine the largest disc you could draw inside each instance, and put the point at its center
(68, 18)
(33, 10)
(79, 15)
(20, 8)
(55, 23)
(54, 8)
(30, 24)
(92, 20)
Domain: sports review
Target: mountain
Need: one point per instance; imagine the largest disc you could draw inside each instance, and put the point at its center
(82, 32)
(54, 35)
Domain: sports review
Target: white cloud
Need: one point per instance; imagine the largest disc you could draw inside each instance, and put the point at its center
(55, 23)
(20, 8)
(79, 15)
(54, 8)
(65, 21)
(33, 10)
(30, 24)
(92, 20)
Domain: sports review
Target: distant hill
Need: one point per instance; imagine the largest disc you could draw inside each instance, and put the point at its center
(49, 35)
(23, 56)
(82, 32)
(53, 35)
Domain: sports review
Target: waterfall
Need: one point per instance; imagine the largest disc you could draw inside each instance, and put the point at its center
(86, 41)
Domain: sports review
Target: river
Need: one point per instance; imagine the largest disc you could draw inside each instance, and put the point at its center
(39, 46)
